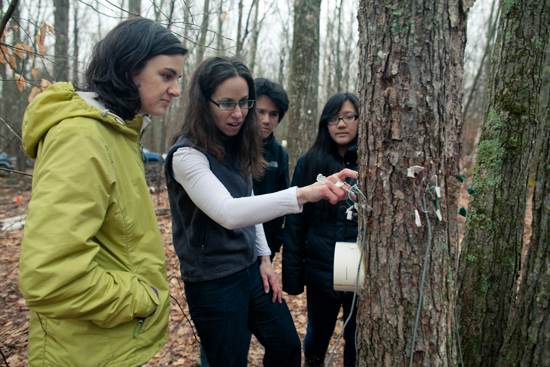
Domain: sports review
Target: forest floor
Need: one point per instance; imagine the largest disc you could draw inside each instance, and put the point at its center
(182, 348)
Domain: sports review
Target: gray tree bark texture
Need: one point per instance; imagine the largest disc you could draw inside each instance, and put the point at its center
(304, 79)
(491, 250)
(61, 29)
(410, 92)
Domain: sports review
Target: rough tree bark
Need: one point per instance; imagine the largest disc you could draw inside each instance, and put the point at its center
(61, 28)
(491, 249)
(528, 336)
(304, 79)
(410, 88)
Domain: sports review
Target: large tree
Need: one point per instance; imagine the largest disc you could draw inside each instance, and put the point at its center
(491, 249)
(410, 87)
(304, 78)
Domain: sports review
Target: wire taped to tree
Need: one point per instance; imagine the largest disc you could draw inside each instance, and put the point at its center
(419, 307)
(353, 300)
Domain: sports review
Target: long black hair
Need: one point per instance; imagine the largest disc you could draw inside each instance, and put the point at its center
(120, 56)
(323, 156)
(199, 125)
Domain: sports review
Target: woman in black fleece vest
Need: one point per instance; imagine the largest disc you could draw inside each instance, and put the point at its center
(230, 284)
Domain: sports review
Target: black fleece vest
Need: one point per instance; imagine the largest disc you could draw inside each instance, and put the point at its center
(206, 250)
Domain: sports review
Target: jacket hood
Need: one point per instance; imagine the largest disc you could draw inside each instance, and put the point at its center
(61, 101)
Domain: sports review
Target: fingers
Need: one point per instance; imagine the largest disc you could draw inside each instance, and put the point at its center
(346, 173)
(265, 281)
(336, 189)
(277, 289)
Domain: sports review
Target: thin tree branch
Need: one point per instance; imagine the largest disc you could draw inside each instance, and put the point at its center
(7, 16)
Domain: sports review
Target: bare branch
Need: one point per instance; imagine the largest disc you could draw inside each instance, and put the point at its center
(7, 16)
(14, 171)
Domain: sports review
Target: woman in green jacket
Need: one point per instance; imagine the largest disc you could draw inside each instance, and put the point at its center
(92, 267)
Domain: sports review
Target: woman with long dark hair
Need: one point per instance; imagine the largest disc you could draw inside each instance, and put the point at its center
(310, 237)
(92, 267)
(230, 284)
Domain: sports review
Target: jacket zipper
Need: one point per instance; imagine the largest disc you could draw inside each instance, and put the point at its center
(204, 242)
(138, 327)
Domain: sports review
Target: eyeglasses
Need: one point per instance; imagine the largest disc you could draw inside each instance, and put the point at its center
(347, 119)
(230, 106)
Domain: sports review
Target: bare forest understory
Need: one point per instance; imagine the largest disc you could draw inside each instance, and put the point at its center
(182, 348)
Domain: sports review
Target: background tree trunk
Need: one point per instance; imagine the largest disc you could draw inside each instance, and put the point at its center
(239, 29)
(76, 24)
(338, 66)
(304, 79)
(254, 40)
(491, 249)
(204, 29)
(410, 88)
(219, 46)
(134, 8)
(61, 28)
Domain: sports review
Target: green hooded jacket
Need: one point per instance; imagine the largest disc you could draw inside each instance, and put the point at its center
(92, 251)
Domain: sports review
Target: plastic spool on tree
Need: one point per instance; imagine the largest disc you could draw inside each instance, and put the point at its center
(347, 256)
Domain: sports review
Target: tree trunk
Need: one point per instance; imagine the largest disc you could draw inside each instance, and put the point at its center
(75, 45)
(347, 58)
(528, 336)
(219, 46)
(491, 249)
(304, 79)
(157, 10)
(327, 51)
(239, 28)
(338, 66)
(134, 8)
(254, 40)
(204, 29)
(61, 28)
(410, 88)
(186, 22)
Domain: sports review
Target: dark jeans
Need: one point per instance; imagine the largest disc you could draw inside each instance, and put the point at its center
(322, 312)
(223, 310)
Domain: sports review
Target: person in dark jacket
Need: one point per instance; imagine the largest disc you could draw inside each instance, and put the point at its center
(310, 237)
(271, 106)
(230, 286)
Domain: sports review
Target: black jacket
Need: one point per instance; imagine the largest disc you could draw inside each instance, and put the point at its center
(276, 178)
(310, 238)
(206, 250)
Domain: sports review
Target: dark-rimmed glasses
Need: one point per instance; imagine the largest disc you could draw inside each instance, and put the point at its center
(347, 119)
(230, 106)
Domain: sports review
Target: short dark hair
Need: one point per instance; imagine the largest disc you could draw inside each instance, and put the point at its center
(275, 92)
(120, 56)
(199, 125)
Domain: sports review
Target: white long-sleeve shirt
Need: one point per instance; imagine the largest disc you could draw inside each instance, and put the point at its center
(192, 171)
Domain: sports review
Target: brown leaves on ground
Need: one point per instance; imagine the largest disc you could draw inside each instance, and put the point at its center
(182, 347)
